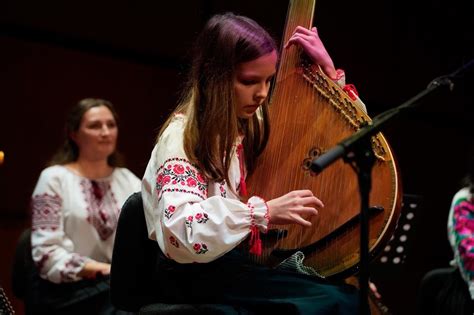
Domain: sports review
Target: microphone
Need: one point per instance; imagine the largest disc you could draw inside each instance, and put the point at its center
(327, 158)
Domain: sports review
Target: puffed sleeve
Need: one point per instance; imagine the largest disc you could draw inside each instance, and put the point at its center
(189, 225)
(53, 252)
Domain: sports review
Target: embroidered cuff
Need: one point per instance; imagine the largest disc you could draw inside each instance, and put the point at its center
(259, 213)
(258, 221)
(340, 78)
(72, 267)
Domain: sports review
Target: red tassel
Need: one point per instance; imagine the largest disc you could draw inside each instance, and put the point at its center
(255, 241)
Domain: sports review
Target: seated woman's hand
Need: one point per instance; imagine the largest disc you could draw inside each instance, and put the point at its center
(94, 269)
(313, 46)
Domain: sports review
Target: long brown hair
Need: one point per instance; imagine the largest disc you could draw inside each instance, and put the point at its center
(69, 152)
(208, 101)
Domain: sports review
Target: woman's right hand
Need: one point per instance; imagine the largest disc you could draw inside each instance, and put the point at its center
(295, 207)
(93, 269)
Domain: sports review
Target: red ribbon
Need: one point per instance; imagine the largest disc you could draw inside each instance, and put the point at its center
(351, 90)
(240, 154)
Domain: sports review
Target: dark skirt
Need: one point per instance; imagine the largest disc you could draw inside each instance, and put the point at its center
(248, 288)
(81, 297)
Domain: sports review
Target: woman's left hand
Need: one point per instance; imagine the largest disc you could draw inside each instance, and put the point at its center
(313, 46)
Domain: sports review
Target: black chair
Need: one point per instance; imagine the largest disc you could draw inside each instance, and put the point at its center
(24, 274)
(23, 266)
(134, 259)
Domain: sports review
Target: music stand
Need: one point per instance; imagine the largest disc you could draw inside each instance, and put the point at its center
(395, 252)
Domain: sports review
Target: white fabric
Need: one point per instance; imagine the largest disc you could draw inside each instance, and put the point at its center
(71, 223)
(193, 219)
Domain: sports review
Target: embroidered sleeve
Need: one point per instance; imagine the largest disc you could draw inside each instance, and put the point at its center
(52, 250)
(463, 231)
(350, 89)
(189, 224)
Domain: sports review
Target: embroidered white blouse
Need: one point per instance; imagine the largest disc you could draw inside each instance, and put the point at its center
(191, 218)
(194, 219)
(74, 219)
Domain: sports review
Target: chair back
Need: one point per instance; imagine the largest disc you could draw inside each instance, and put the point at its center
(23, 265)
(133, 260)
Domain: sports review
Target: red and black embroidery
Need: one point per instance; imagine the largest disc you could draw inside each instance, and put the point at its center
(178, 175)
(102, 207)
(44, 258)
(46, 212)
(222, 189)
(170, 211)
(200, 248)
(71, 268)
(189, 222)
(201, 217)
(174, 241)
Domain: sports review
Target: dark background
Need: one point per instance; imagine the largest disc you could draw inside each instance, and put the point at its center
(134, 53)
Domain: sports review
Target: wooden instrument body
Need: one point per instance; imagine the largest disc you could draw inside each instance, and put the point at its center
(310, 114)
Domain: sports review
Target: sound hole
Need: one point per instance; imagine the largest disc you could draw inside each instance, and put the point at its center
(312, 154)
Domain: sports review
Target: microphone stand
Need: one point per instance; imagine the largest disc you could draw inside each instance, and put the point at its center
(357, 151)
